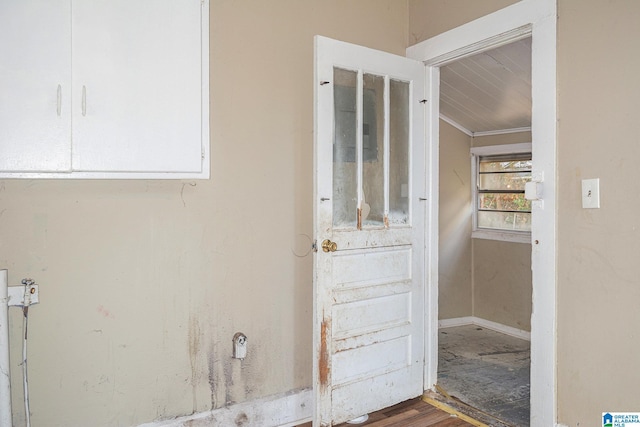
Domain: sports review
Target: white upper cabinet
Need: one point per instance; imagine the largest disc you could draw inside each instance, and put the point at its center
(35, 86)
(104, 89)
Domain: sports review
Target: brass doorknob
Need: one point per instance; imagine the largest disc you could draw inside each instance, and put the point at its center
(329, 246)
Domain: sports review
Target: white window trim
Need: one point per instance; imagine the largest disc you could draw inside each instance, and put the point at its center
(484, 233)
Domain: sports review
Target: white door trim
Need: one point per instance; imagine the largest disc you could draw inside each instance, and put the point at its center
(431, 227)
(538, 19)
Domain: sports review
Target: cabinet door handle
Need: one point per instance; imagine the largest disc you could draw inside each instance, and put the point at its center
(84, 100)
(59, 101)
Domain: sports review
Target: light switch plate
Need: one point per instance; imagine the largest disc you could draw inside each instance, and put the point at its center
(591, 193)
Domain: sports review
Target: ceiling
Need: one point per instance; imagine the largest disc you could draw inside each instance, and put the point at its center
(490, 92)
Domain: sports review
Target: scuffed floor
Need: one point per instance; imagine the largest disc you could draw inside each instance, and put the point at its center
(487, 370)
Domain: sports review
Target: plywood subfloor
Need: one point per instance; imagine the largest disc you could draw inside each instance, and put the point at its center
(412, 413)
(486, 370)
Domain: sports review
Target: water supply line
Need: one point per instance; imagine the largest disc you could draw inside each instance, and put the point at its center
(21, 296)
(5, 376)
(28, 289)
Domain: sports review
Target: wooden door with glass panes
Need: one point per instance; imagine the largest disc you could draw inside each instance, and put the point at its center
(369, 226)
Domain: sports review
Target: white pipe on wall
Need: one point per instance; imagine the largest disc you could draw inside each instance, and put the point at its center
(5, 377)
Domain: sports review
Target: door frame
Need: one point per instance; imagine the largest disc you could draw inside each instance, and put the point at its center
(535, 18)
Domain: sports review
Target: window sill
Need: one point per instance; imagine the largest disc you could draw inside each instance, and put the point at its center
(502, 235)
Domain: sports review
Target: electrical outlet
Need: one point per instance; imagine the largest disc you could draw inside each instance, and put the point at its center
(239, 346)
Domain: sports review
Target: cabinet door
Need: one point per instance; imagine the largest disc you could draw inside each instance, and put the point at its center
(35, 85)
(137, 83)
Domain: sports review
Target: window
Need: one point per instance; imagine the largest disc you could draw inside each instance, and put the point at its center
(501, 211)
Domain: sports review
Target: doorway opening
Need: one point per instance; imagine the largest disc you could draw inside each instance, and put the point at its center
(535, 18)
(485, 279)
(527, 18)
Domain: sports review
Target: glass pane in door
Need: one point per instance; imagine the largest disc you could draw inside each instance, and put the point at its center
(372, 150)
(398, 152)
(345, 181)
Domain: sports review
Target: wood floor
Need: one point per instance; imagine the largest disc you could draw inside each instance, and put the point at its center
(412, 413)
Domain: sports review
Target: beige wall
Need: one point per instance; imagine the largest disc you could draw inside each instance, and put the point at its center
(454, 251)
(598, 250)
(502, 282)
(428, 18)
(144, 283)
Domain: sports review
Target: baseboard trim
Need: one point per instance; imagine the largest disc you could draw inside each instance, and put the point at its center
(457, 321)
(282, 410)
(494, 326)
